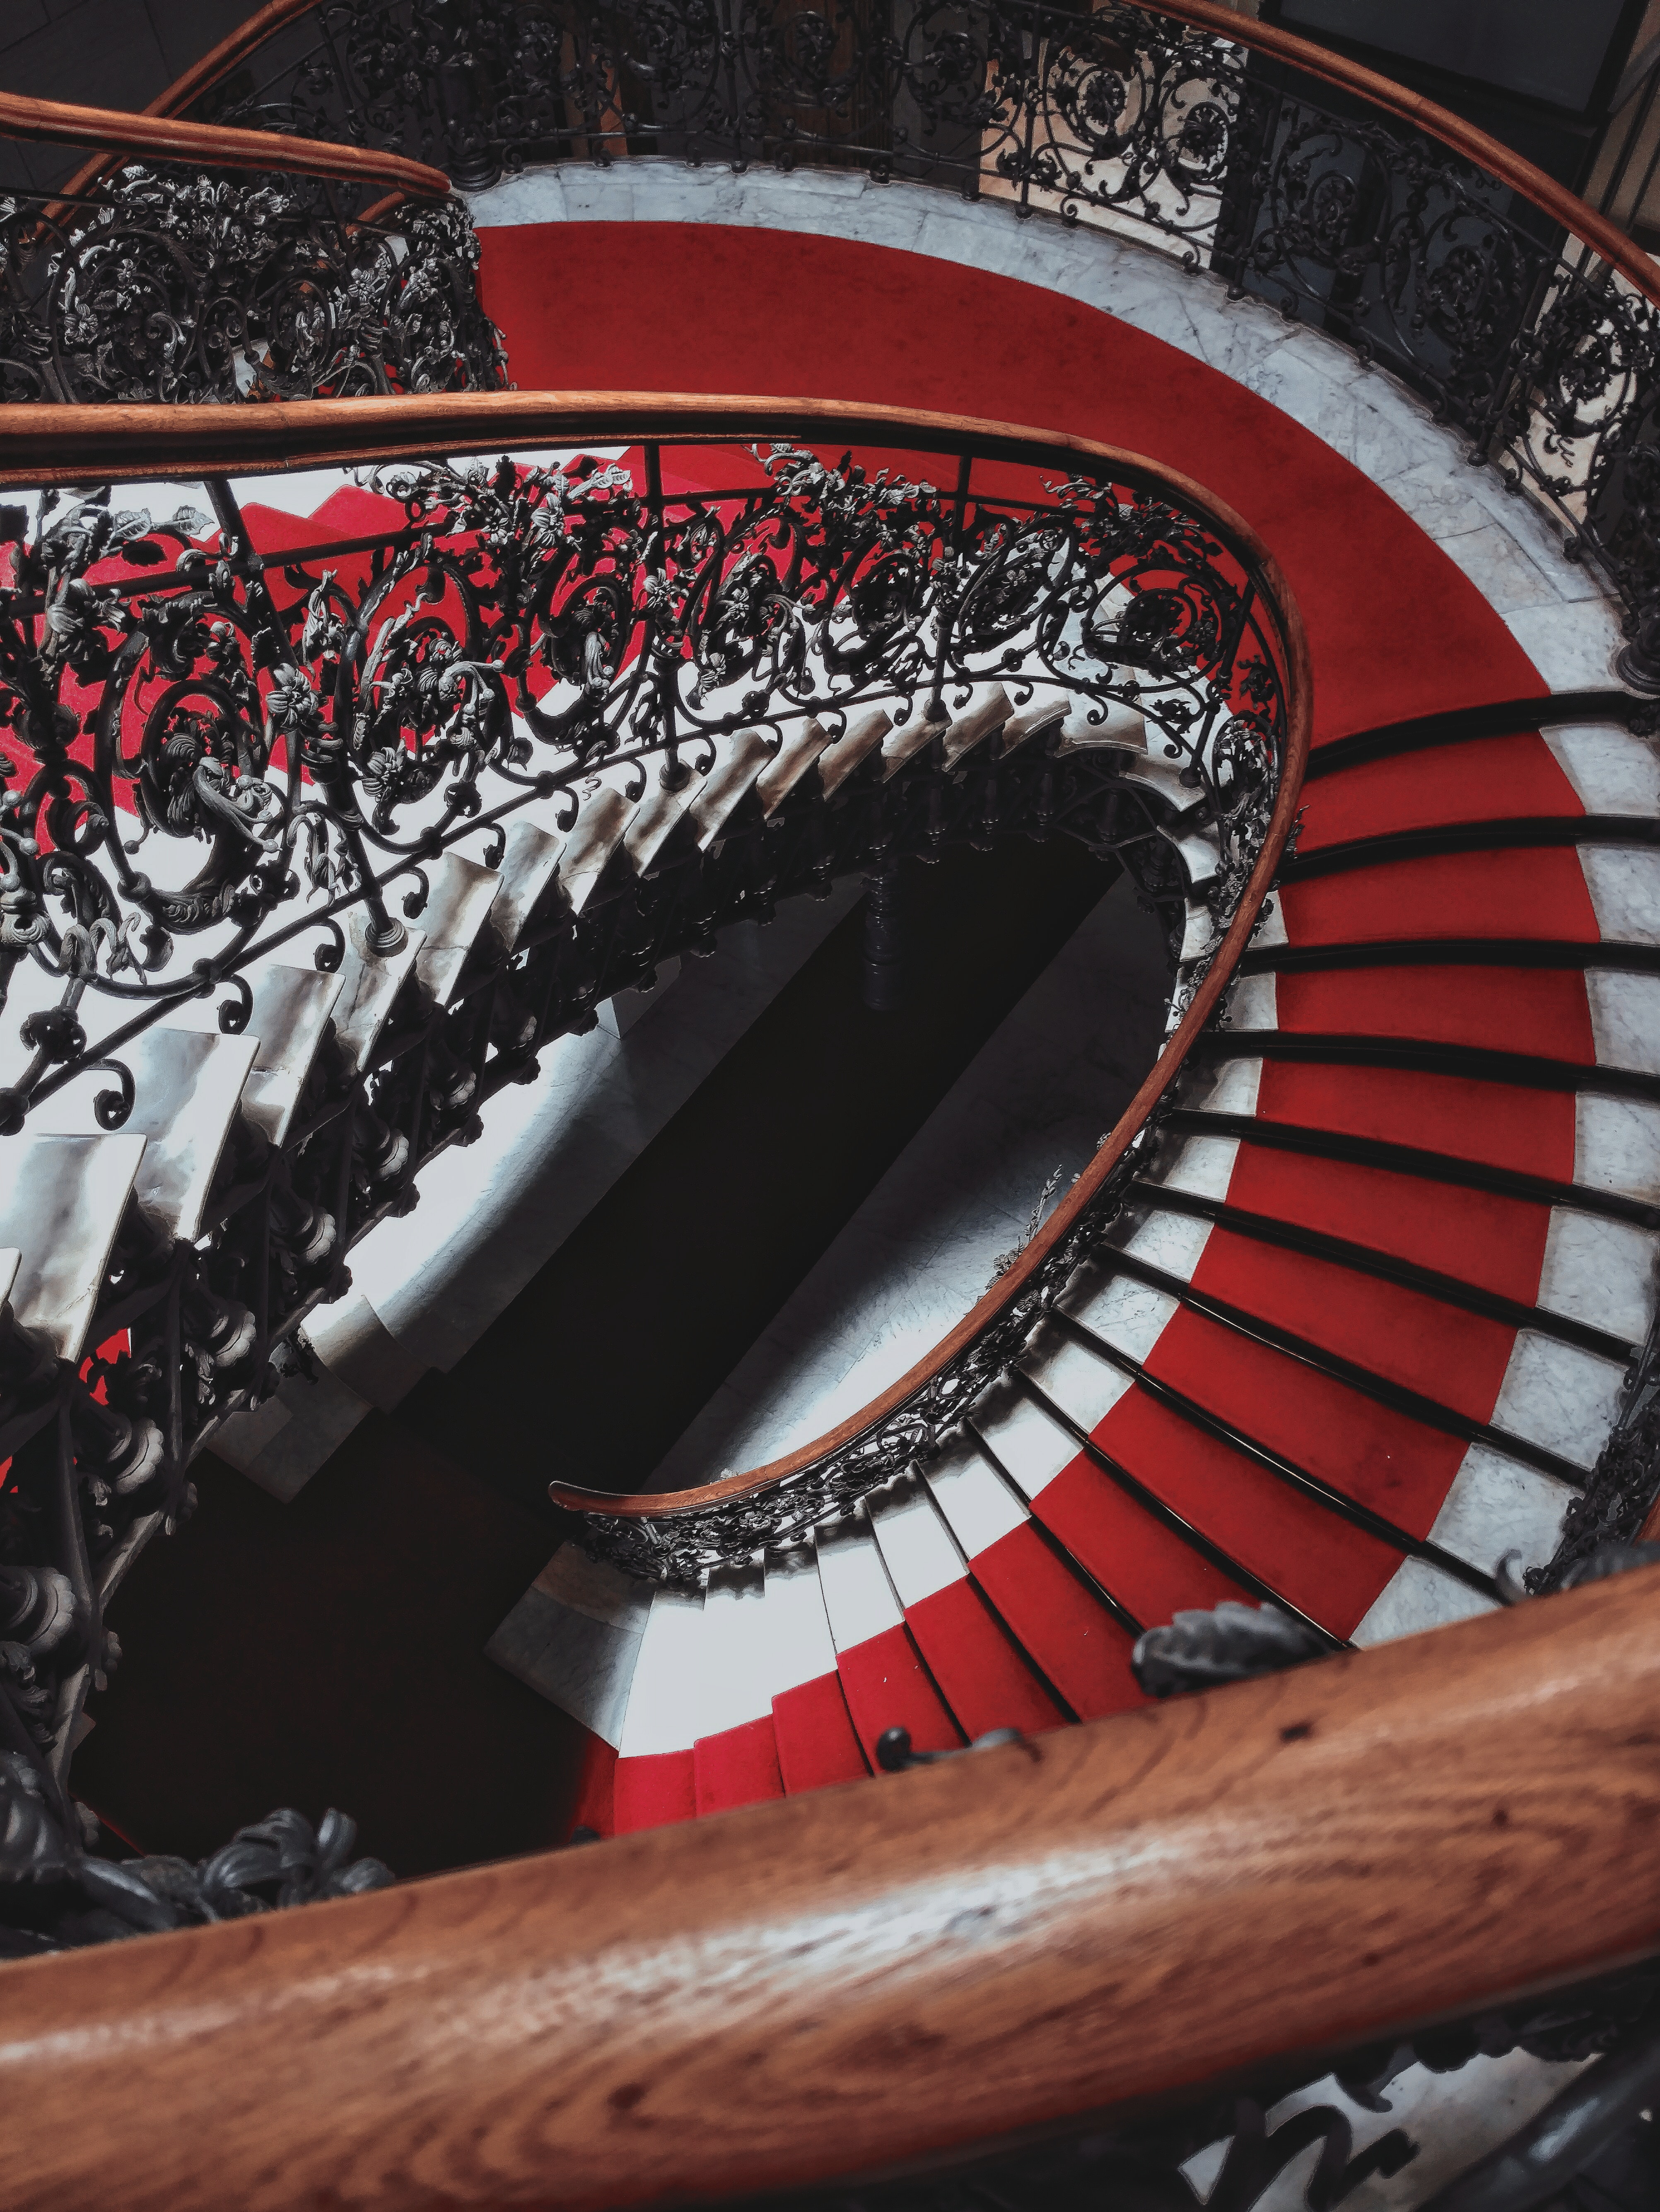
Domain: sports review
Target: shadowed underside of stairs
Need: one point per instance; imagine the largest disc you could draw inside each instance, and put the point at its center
(349, 1625)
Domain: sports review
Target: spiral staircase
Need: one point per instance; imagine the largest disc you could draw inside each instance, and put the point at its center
(518, 694)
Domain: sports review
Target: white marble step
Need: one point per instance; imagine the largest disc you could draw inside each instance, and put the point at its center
(661, 827)
(978, 724)
(918, 1549)
(729, 783)
(800, 1646)
(858, 1595)
(187, 1091)
(976, 1505)
(461, 894)
(666, 1702)
(738, 1666)
(596, 839)
(369, 986)
(796, 757)
(61, 1202)
(575, 1637)
(863, 739)
(529, 873)
(289, 1020)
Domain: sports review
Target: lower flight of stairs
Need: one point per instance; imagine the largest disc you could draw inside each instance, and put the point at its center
(1358, 1332)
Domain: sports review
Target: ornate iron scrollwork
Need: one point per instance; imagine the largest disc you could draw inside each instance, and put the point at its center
(1541, 356)
(214, 757)
(170, 285)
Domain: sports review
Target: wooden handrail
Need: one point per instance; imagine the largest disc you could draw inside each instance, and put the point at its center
(1379, 91)
(202, 76)
(1435, 122)
(846, 1982)
(36, 446)
(162, 139)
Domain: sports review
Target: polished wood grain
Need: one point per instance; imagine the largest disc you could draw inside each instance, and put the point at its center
(35, 446)
(845, 1982)
(59, 122)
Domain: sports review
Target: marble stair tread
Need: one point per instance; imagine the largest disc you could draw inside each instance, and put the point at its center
(849, 753)
(596, 841)
(1199, 932)
(729, 784)
(61, 1202)
(1043, 715)
(1201, 854)
(813, 1729)
(290, 1018)
(981, 1668)
(910, 737)
(529, 873)
(574, 1638)
(370, 983)
(187, 1089)
(796, 756)
(1088, 725)
(1057, 1616)
(883, 1679)
(661, 826)
(459, 895)
(980, 724)
(735, 1753)
(664, 1712)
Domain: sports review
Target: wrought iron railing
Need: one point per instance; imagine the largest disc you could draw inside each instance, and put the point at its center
(227, 763)
(1526, 321)
(174, 283)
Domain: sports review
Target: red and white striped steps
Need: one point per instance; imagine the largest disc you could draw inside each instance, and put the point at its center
(1357, 1333)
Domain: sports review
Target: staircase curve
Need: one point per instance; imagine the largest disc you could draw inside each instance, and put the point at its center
(1351, 1315)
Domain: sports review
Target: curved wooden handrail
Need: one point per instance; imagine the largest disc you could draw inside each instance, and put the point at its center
(1437, 122)
(849, 1981)
(35, 441)
(165, 139)
(1379, 91)
(202, 76)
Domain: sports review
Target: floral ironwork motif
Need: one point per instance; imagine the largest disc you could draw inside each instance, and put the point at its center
(220, 759)
(1541, 356)
(171, 285)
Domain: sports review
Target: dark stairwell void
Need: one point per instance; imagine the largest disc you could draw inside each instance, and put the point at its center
(330, 1650)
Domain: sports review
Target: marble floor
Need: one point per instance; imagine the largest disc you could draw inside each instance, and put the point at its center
(1029, 1108)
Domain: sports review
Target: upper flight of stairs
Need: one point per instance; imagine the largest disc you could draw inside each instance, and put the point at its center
(1359, 1332)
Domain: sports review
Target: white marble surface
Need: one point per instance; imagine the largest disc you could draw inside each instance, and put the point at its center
(1556, 1395)
(1614, 771)
(1497, 1505)
(1617, 1145)
(1452, 2119)
(859, 1598)
(61, 1202)
(1624, 1020)
(797, 1627)
(917, 1548)
(1417, 1596)
(979, 1507)
(1624, 882)
(185, 1091)
(1600, 1272)
(1029, 1445)
(1504, 545)
(921, 1248)
(664, 1702)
